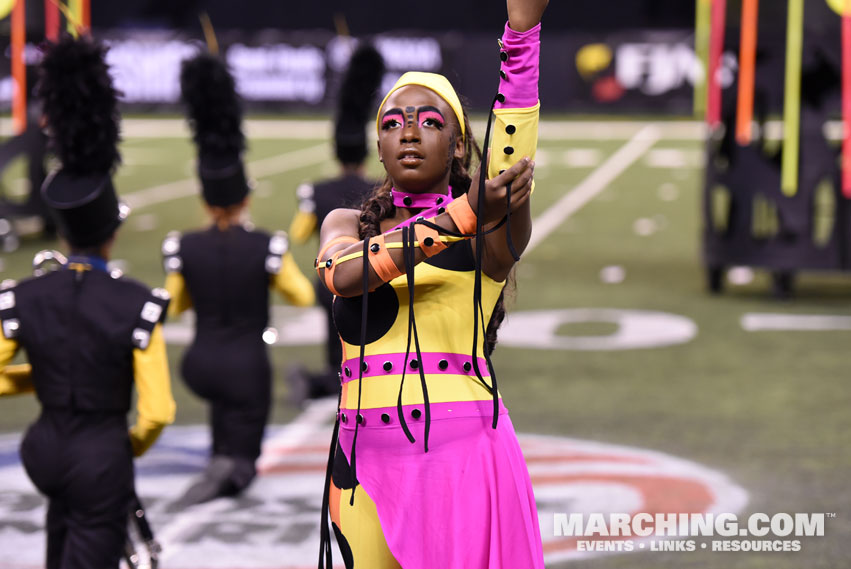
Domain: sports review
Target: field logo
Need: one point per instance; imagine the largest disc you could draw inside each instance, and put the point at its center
(276, 523)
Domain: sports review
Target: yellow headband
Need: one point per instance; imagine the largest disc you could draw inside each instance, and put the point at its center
(437, 83)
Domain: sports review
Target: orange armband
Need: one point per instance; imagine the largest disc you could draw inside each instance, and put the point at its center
(429, 240)
(330, 264)
(381, 261)
(462, 214)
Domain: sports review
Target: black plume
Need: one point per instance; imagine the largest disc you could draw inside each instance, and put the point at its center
(215, 112)
(80, 105)
(355, 103)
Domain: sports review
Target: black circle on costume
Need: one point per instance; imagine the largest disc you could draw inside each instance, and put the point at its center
(328, 263)
(343, 418)
(439, 201)
(388, 366)
(365, 367)
(348, 372)
(360, 419)
(502, 74)
(375, 247)
(428, 241)
(511, 129)
(415, 364)
(468, 366)
(503, 56)
(441, 209)
(383, 311)
(500, 97)
(443, 364)
(416, 413)
(407, 200)
(385, 417)
(508, 150)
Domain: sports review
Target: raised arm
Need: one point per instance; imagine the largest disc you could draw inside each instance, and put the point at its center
(515, 126)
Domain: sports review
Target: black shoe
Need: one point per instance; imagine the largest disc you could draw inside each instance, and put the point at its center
(213, 483)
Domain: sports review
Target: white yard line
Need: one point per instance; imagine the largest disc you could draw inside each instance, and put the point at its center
(762, 322)
(312, 422)
(259, 169)
(591, 186)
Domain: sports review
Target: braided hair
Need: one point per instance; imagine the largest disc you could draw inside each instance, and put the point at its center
(378, 206)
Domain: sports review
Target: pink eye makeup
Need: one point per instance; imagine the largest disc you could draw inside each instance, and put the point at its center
(432, 114)
(392, 118)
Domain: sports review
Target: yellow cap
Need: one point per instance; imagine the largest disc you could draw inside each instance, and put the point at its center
(437, 83)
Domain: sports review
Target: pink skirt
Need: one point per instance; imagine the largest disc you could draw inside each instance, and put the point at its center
(465, 504)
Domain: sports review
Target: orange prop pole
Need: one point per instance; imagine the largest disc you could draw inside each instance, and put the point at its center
(747, 69)
(51, 20)
(716, 47)
(86, 15)
(19, 69)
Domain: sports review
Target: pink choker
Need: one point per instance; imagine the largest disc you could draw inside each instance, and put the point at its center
(402, 199)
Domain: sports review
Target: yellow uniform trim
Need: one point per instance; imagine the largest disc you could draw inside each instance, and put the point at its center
(180, 299)
(155, 405)
(382, 391)
(524, 139)
(302, 226)
(14, 379)
(361, 527)
(291, 283)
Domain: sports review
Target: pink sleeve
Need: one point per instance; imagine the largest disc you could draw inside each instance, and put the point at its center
(518, 73)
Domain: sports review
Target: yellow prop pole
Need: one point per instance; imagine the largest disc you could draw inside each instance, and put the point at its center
(792, 98)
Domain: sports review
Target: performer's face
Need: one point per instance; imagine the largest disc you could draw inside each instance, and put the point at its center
(418, 137)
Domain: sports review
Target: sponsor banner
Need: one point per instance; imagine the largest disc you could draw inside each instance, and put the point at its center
(626, 71)
(275, 524)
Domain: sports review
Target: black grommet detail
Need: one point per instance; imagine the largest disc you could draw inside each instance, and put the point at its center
(415, 364)
(428, 241)
(407, 200)
(510, 129)
(328, 263)
(421, 218)
(503, 56)
(375, 247)
(315, 263)
(416, 413)
(443, 364)
(385, 417)
(502, 74)
(508, 150)
(388, 366)
(441, 210)
(348, 372)
(500, 97)
(501, 171)
(360, 419)
(365, 366)
(468, 366)
(344, 418)
(439, 201)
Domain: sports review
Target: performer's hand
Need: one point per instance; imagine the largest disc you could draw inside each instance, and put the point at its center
(524, 15)
(520, 178)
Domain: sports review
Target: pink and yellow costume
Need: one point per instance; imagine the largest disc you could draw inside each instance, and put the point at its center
(465, 502)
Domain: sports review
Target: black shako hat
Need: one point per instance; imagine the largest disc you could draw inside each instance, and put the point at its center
(215, 115)
(80, 105)
(355, 104)
(86, 208)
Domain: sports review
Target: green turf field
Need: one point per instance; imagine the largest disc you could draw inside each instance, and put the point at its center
(771, 409)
